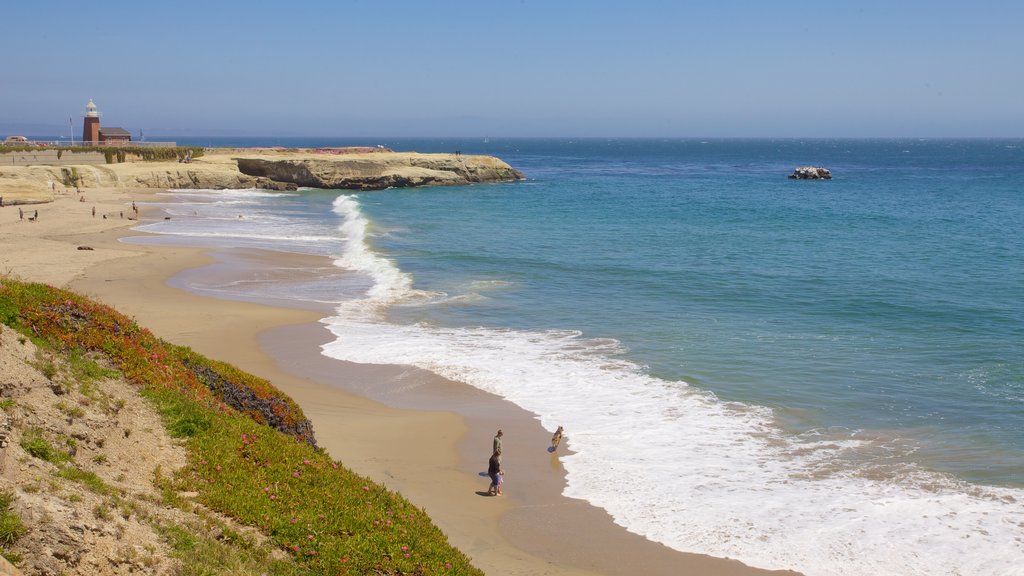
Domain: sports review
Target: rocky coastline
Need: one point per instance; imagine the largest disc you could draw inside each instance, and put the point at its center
(273, 169)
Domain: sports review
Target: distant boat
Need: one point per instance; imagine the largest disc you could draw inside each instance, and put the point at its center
(487, 140)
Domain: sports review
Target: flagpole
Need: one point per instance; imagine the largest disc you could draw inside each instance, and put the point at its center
(71, 121)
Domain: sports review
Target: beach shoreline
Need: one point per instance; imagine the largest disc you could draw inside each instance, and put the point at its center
(411, 430)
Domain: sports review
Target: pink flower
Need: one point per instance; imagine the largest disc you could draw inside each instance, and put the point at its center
(366, 488)
(405, 549)
(273, 497)
(310, 536)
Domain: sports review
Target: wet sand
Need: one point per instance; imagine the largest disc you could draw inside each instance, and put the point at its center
(417, 433)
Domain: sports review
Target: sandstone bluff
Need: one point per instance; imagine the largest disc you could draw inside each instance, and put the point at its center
(276, 169)
(380, 170)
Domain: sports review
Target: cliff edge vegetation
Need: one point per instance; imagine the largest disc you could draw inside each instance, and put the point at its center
(121, 453)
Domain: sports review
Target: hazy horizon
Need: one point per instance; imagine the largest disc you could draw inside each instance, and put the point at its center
(524, 69)
(374, 139)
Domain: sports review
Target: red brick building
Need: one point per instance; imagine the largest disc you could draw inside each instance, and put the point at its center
(92, 133)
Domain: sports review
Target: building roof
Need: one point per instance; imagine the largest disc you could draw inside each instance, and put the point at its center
(119, 132)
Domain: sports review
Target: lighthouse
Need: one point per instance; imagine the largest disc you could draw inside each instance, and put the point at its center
(91, 126)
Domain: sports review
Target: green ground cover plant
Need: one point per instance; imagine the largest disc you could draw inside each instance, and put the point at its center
(252, 453)
(11, 527)
(37, 445)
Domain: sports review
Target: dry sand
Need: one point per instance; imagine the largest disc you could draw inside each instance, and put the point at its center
(413, 431)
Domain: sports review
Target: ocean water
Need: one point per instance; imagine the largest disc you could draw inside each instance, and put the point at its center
(823, 376)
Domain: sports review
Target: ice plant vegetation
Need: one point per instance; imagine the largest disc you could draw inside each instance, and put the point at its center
(252, 453)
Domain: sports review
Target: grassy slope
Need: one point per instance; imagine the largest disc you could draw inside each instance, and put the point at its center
(256, 460)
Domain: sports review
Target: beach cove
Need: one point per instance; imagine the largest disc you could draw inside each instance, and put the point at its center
(780, 324)
(417, 451)
(788, 373)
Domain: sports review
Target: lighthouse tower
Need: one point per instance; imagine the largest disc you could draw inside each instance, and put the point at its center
(91, 126)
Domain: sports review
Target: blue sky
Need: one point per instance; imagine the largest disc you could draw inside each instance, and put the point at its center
(517, 68)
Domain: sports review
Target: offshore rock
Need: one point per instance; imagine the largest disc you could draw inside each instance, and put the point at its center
(811, 173)
(380, 170)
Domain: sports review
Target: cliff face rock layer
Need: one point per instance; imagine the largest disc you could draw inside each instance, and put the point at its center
(38, 183)
(273, 169)
(378, 171)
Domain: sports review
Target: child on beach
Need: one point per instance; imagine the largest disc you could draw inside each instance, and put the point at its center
(556, 439)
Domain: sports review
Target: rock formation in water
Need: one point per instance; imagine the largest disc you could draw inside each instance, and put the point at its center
(811, 173)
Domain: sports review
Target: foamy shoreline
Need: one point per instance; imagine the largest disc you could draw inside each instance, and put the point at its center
(430, 449)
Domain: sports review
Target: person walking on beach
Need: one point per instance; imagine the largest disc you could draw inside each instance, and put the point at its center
(497, 442)
(495, 472)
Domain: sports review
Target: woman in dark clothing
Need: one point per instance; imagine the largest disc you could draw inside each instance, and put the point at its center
(494, 471)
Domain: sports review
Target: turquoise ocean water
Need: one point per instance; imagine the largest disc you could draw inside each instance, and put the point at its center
(825, 376)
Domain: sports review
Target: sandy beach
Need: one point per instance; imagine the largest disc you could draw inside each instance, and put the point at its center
(417, 433)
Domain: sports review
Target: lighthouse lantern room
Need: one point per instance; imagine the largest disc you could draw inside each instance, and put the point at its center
(91, 126)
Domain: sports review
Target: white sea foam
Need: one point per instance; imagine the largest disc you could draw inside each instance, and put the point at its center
(685, 468)
(207, 233)
(238, 218)
(391, 285)
(219, 194)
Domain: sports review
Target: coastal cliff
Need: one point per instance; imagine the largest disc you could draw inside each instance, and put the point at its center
(377, 171)
(274, 169)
